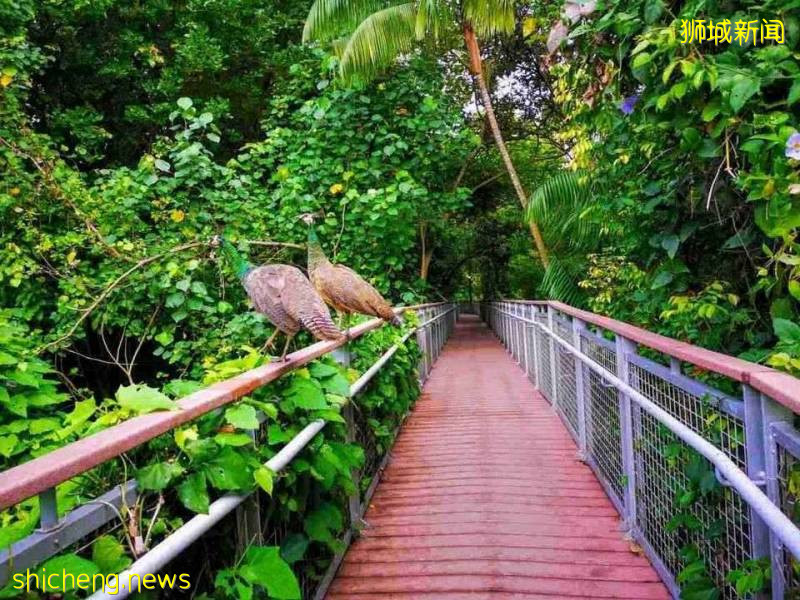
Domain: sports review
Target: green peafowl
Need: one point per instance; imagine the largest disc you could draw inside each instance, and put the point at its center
(341, 287)
(284, 295)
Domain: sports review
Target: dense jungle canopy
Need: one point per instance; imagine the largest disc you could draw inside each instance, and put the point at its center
(664, 177)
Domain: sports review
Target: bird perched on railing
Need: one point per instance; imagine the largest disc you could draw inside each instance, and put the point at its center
(284, 295)
(341, 287)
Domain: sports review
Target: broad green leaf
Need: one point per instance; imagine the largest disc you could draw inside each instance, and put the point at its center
(742, 91)
(337, 384)
(180, 388)
(787, 331)
(228, 471)
(276, 435)
(185, 103)
(653, 10)
(264, 478)
(294, 547)
(662, 279)
(264, 566)
(193, 493)
(320, 370)
(109, 555)
(69, 564)
(322, 523)
(670, 243)
(236, 440)
(7, 445)
(158, 476)
(305, 393)
(794, 93)
(242, 416)
(142, 399)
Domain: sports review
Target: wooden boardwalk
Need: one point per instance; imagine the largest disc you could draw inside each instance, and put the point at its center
(484, 497)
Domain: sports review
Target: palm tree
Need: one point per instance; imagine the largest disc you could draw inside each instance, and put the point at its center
(572, 225)
(371, 34)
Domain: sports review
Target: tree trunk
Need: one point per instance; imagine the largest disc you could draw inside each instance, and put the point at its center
(426, 255)
(476, 66)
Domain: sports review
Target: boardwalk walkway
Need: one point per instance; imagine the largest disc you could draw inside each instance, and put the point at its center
(484, 497)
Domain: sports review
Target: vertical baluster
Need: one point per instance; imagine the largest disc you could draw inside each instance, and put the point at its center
(761, 413)
(525, 343)
(248, 517)
(423, 352)
(514, 347)
(48, 510)
(534, 331)
(578, 327)
(624, 348)
(551, 325)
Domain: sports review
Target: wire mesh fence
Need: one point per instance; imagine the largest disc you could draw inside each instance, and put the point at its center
(659, 440)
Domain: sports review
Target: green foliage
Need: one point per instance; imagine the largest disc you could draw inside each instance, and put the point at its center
(35, 416)
(687, 143)
(262, 570)
(372, 36)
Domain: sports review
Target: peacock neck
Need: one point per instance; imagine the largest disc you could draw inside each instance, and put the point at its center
(241, 266)
(316, 255)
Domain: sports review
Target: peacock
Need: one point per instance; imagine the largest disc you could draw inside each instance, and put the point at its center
(284, 295)
(341, 287)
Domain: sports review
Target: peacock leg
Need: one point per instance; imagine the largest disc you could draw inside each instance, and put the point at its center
(344, 324)
(289, 338)
(271, 341)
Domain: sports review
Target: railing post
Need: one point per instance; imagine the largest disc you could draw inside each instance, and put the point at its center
(422, 340)
(534, 332)
(48, 510)
(577, 327)
(756, 443)
(525, 334)
(343, 357)
(624, 347)
(248, 516)
(761, 413)
(551, 325)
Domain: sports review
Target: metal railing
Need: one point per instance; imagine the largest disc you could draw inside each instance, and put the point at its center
(712, 464)
(39, 477)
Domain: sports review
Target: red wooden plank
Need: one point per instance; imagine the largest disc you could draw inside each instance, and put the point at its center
(484, 497)
(500, 583)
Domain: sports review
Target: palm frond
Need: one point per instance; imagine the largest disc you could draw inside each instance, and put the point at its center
(489, 17)
(433, 17)
(561, 207)
(330, 19)
(558, 283)
(378, 40)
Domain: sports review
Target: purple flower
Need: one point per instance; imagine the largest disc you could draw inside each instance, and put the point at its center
(793, 146)
(627, 105)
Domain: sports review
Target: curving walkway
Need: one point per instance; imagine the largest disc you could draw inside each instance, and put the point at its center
(484, 497)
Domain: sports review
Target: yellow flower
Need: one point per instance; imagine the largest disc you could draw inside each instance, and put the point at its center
(177, 215)
(336, 188)
(5, 80)
(14, 191)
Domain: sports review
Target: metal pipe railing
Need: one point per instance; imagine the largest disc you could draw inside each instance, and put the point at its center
(172, 546)
(610, 397)
(35, 475)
